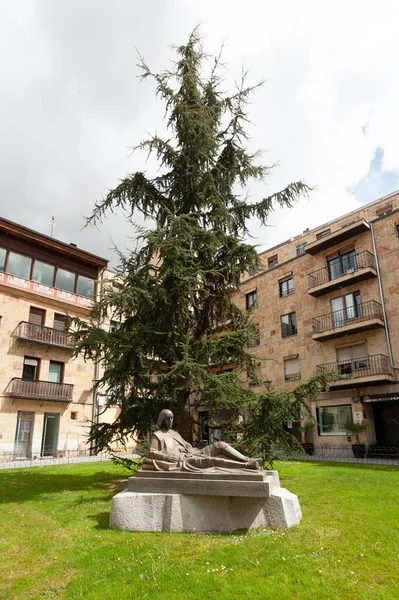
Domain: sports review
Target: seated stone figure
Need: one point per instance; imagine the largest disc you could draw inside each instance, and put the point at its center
(169, 452)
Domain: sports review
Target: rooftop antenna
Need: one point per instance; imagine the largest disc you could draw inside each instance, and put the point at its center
(52, 225)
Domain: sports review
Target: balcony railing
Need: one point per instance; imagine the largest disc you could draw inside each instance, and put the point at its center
(347, 266)
(44, 335)
(349, 316)
(366, 366)
(292, 376)
(41, 390)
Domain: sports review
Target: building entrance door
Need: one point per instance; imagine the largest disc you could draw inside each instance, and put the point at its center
(50, 434)
(386, 422)
(23, 435)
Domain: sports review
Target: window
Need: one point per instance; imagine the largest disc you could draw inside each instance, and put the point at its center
(288, 325)
(300, 249)
(74, 416)
(255, 335)
(3, 254)
(323, 234)
(60, 322)
(346, 308)
(286, 287)
(23, 435)
(86, 287)
(36, 315)
(251, 300)
(56, 372)
(342, 264)
(43, 273)
(19, 265)
(292, 369)
(353, 359)
(65, 280)
(272, 261)
(332, 420)
(30, 370)
(114, 326)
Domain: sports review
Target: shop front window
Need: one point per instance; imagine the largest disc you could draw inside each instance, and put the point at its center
(332, 420)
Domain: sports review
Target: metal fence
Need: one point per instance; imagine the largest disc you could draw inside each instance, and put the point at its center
(372, 455)
(8, 460)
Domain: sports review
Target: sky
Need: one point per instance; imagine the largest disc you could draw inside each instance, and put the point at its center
(72, 105)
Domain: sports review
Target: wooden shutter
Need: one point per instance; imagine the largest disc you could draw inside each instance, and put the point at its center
(36, 315)
(60, 322)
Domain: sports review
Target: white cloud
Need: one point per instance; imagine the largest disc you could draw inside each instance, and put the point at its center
(71, 102)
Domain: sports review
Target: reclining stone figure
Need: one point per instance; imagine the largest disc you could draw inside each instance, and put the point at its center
(170, 452)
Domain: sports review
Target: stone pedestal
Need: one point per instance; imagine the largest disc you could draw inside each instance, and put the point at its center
(204, 504)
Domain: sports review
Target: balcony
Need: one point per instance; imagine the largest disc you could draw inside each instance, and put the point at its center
(362, 317)
(336, 237)
(367, 370)
(41, 390)
(43, 335)
(360, 267)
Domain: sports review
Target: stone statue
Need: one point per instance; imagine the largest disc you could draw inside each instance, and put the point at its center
(169, 452)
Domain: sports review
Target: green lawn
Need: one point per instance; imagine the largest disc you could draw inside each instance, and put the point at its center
(55, 541)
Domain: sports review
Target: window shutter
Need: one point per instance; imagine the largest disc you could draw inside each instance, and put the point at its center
(36, 316)
(359, 351)
(344, 353)
(60, 322)
(291, 366)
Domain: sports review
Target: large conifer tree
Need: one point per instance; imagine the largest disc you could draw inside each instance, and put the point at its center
(179, 325)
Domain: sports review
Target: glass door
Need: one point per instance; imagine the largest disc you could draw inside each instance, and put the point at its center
(345, 309)
(338, 312)
(23, 435)
(50, 434)
(342, 264)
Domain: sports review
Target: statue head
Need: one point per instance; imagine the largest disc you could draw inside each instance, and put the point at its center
(165, 419)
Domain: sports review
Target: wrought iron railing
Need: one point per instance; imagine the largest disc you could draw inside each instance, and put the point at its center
(363, 260)
(41, 390)
(365, 366)
(292, 376)
(44, 335)
(348, 316)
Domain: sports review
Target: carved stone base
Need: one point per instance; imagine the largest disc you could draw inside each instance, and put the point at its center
(237, 507)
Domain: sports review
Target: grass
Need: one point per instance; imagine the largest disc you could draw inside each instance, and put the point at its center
(55, 541)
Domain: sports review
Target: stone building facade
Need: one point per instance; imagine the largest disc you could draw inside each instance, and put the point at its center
(328, 300)
(46, 395)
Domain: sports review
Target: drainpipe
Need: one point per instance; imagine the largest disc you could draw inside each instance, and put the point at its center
(384, 311)
(95, 411)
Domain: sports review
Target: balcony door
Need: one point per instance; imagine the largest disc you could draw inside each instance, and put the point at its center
(346, 308)
(23, 435)
(342, 264)
(50, 434)
(353, 360)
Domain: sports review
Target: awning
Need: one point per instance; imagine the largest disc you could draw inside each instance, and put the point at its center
(381, 398)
